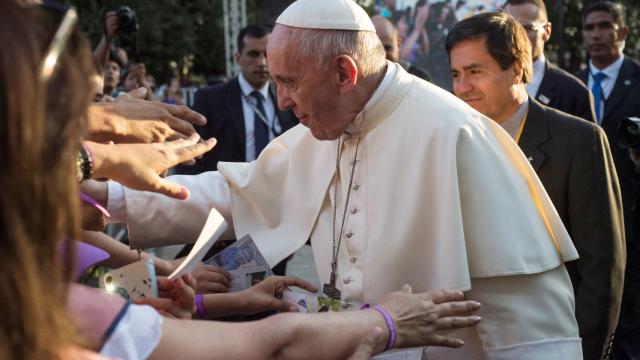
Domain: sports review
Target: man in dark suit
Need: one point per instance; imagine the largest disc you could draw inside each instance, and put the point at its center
(615, 82)
(570, 155)
(549, 85)
(242, 114)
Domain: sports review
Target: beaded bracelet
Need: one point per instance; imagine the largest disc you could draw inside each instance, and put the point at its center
(85, 163)
(391, 325)
(200, 306)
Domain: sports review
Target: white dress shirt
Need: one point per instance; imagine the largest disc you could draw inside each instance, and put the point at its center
(538, 73)
(249, 116)
(607, 84)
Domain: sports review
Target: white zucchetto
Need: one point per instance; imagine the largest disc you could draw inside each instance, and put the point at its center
(326, 14)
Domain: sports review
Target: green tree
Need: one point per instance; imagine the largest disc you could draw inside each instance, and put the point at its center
(171, 33)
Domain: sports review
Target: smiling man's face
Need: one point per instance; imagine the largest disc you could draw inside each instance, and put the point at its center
(479, 80)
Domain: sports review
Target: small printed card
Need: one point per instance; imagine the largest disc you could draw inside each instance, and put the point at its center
(244, 262)
(133, 281)
(308, 303)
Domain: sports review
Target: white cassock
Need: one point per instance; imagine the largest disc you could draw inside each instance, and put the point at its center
(442, 198)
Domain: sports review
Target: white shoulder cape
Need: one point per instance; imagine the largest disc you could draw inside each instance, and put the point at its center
(449, 193)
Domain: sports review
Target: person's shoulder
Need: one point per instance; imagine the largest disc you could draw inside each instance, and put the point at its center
(632, 61)
(215, 89)
(568, 125)
(566, 79)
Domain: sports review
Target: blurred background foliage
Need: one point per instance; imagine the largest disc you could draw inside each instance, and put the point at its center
(187, 37)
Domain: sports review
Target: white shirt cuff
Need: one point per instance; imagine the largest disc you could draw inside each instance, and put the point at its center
(116, 204)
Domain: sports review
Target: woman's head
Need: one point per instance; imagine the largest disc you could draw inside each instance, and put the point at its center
(42, 123)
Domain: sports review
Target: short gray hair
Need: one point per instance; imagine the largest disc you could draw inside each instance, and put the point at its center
(323, 45)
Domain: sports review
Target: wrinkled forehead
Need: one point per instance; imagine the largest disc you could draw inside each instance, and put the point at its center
(282, 38)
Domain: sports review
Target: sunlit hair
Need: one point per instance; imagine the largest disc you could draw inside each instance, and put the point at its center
(40, 130)
(322, 46)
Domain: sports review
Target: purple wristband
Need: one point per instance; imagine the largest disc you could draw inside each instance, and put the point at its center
(200, 306)
(88, 150)
(391, 325)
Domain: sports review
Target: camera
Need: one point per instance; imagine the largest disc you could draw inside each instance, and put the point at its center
(629, 133)
(127, 20)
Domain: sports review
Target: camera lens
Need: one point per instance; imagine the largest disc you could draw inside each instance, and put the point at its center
(629, 133)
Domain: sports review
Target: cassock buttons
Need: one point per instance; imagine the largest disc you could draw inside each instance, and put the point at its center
(349, 235)
(356, 187)
(354, 210)
(347, 280)
(353, 259)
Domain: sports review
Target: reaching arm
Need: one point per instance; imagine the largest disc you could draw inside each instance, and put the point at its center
(419, 319)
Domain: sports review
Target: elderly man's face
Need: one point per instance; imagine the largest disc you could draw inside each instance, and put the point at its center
(312, 93)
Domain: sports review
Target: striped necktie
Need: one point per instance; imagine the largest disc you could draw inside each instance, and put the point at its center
(260, 129)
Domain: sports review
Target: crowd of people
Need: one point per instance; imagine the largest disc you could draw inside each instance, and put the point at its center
(494, 221)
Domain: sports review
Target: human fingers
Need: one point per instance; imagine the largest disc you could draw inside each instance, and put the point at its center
(164, 284)
(441, 296)
(179, 125)
(456, 322)
(215, 274)
(219, 270)
(365, 348)
(457, 308)
(185, 295)
(187, 141)
(161, 186)
(189, 152)
(184, 113)
(138, 93)
(190, 280)
(294, 281)
(439, 340)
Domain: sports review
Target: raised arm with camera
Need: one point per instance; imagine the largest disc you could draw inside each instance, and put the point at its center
(121, 21)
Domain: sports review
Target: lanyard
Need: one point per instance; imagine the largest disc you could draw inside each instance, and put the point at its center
(519, 134)
(270, 124)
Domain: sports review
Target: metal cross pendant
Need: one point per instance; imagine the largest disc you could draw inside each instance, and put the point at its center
(330, 288)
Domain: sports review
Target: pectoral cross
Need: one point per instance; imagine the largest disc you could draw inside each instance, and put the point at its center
(330, 289)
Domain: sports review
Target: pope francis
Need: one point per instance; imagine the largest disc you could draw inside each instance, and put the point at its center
(395, 181)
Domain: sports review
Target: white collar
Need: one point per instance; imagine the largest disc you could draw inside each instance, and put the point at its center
(377, 95)
(247, 89)
(538, 65)
(611, 71)
(513, 123)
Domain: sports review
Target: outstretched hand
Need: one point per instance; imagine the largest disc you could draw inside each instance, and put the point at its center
(131, 119)
(138, 166)
(176, 298)
(420, 318)
(267, 295)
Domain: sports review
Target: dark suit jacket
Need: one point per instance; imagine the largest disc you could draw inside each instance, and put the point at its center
(563, 91)
(222, 106)
(572, 158)
(624, 101)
